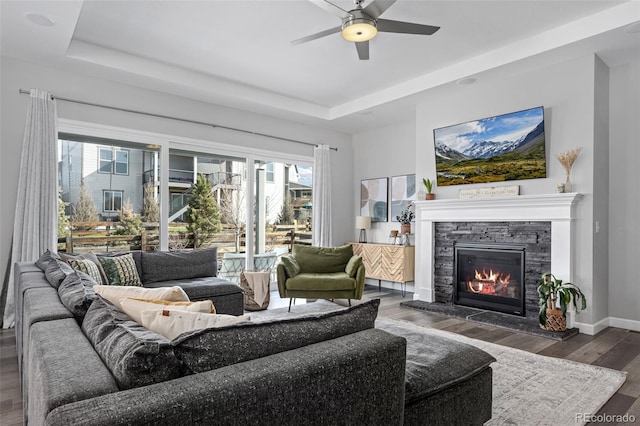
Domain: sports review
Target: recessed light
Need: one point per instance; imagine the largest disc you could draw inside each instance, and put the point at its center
(41, 20)
(466, 81)
(633, 28)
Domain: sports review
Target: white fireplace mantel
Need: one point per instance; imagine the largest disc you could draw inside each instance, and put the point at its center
(555, 208)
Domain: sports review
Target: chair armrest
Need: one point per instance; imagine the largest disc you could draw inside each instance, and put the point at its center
(282, 278)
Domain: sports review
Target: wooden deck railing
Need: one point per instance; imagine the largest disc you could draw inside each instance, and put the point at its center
(100, 237)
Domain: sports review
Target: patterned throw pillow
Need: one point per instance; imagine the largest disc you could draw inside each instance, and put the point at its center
(120, 270)
(88, 267)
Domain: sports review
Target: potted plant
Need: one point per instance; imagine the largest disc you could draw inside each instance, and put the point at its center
(405, 218)
(552, 292)
(428, 184)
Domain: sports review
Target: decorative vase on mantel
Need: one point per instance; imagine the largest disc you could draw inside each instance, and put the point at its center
(405, 228)
(429, 196)
(567, 184)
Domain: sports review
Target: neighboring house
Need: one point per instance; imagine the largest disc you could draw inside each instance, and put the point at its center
(111, 174)
(114, 175)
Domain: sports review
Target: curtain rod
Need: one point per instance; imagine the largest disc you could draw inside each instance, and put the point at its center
(186, 120)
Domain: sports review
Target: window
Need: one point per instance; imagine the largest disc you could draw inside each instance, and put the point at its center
(270, 175)
(114, 160)
(111, 201)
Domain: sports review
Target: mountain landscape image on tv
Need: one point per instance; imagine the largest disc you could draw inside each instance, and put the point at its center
(495, 149)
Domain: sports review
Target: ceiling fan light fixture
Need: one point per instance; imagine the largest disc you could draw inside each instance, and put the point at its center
(360, 29)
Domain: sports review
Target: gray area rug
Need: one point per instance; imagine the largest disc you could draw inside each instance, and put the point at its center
(528, 389)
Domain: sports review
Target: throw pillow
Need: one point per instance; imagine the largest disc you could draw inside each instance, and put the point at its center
(76, 294)
(290, 265)
(56, 271)
(134, 306)
(135, 355)
(45, 258)
(171, 324)
(209, 349)
(120, 270)
(114, 293)
(68, 257)
(353, 265)
(88, 267)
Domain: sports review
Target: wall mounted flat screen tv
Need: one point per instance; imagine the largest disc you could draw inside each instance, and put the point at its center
(495, 149)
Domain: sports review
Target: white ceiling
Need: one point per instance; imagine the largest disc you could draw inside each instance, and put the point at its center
(238, 53)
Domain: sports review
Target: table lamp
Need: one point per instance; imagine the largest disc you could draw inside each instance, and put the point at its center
(363, 223)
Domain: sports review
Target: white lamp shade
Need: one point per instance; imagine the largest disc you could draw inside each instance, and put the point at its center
(363, 222)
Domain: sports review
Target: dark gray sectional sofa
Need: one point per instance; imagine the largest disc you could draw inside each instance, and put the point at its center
(88, 363)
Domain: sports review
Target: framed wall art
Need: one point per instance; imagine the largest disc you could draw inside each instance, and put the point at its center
(495, 149)
(403, 193)
(374, 199)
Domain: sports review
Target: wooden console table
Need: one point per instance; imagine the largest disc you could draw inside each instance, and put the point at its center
(395, 263)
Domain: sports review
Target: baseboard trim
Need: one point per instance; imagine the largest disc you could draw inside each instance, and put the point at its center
(624, 323)
(593, 329)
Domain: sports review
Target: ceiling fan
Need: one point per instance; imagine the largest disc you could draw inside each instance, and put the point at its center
(362, 24)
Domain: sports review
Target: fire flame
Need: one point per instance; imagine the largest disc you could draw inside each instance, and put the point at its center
(495, 283)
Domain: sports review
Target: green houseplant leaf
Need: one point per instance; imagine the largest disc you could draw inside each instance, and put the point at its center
(553, 292)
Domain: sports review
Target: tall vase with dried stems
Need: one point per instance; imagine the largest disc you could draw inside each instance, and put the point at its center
(567, 159)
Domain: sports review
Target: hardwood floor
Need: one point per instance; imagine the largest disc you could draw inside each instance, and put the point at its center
(612, 348)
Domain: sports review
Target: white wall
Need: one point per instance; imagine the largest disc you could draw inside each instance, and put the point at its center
(16, 75)
(600, 228)
(566, 91)
(624, 196)
(383, 152)
(575, 95)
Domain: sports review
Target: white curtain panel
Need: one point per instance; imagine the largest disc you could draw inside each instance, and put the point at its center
(322, 196)
(35, 224)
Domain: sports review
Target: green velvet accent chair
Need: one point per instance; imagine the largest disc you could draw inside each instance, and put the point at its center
(321, 273)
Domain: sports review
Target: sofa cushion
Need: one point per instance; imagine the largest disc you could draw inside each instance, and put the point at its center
(290, 265)
(120, 270)
(171, 324)
(208, 349)
(201, 288)
(76, 294)
(352, 266)
(322, 259)
(44, 259)
(134, 307)
(135, 355)
(64, 368)
(435, 363)
(321, 282)
(175, 265)
(114, 293)
(81, 263)
(56, 271)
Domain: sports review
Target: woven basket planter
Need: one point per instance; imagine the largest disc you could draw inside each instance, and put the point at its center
(555, 320)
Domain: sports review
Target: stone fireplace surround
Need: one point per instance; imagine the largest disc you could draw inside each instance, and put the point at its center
(555, 209)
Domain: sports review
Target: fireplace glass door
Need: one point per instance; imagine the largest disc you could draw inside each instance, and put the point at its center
(490, 276)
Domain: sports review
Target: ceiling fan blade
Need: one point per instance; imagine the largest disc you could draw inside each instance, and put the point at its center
(378, 7)
(363, 49)
(387, 26)
(316, 35)
(331, 8)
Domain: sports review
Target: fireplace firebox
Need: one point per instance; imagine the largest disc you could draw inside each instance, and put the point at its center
(490, 276)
